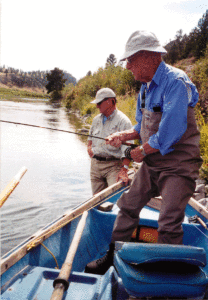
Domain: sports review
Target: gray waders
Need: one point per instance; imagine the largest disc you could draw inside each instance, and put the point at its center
(172, 176)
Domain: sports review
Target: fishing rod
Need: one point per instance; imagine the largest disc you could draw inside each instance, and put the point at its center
(62, 130)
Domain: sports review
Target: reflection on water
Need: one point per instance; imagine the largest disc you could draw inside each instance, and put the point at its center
(55, 180)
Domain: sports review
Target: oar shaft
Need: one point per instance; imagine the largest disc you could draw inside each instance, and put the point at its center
(11, 186)
(67, 266)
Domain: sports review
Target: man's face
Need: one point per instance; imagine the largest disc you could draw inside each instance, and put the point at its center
(105, 106)
(141, 65)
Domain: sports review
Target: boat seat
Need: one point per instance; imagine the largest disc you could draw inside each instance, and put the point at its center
(158, 270)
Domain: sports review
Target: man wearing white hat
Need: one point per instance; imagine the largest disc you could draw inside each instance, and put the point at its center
(108, 164)
(170, 153)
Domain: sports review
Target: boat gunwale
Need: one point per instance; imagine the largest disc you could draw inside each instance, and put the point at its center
(36, 239)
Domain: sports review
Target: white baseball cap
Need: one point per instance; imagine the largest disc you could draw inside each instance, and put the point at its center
(142, 40)
(102, 94)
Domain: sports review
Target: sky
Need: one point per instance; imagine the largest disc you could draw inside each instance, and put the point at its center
(78, 36)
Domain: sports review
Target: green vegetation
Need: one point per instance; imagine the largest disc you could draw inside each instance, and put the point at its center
(200, 79)
(34, 79)
(78, 98)
(203, 127)
(117, 78)
(185, 46)
(188, 52)
(19, 95)
(55, 84)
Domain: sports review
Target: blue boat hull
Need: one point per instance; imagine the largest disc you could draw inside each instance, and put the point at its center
(31, 275)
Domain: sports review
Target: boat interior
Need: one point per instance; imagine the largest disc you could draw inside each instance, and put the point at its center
(142, 268)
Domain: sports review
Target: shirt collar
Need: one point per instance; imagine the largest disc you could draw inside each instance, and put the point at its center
(157, 77)
(112, 115)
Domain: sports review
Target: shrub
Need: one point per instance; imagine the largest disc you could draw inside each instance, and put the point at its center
(120, 80)
(203, 143)
(200, 79)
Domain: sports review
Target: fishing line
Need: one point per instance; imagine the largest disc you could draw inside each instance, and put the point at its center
(62, 130)
(55, 129)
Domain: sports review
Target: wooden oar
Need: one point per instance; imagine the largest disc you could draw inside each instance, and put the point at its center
(61, 282)
(48, 230)
(11, 186)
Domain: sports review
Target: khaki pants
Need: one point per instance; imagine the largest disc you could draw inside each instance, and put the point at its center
(103, 174)
(175, 190)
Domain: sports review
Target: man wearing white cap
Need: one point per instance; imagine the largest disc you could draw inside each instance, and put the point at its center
(108, 164)
(170, 153)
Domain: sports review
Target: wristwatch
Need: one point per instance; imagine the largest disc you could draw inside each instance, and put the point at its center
(142, 150)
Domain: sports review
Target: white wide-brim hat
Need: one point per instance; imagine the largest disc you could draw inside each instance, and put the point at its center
(102, 94)
(142, 40)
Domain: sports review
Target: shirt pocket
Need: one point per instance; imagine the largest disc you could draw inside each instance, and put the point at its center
(150, 123)
(154, 122)
(96, 132)
(113, 129)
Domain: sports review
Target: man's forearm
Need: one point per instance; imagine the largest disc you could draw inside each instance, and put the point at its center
(128, 135)
(89, 149)
(116, 139)
(148, 149)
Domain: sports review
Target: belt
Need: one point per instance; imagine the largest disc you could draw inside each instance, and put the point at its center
(100, 158)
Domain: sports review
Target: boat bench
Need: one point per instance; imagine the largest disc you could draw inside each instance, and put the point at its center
(158, 270)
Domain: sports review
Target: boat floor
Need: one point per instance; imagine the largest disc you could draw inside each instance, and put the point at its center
(36, 283)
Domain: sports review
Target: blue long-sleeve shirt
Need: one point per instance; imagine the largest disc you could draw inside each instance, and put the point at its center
(171, 91)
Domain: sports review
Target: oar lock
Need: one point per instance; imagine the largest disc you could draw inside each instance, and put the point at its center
(62, 281)
(197, 219)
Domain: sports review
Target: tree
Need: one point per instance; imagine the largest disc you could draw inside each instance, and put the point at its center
(56, 83)
(202, 39)
(111, 60)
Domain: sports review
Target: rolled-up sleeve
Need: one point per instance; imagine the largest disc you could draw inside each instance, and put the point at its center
(126, 125)
(173, 123)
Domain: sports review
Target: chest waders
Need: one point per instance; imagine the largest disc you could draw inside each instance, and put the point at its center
(172, 176)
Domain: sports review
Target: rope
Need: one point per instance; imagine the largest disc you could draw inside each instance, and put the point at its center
(35, 242)
(51, 254)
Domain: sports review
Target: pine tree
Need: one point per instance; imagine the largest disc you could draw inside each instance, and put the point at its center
(111, 60)
(56, 83)
(202, 39)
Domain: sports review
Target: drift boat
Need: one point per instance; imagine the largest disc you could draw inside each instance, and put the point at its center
(142, 268)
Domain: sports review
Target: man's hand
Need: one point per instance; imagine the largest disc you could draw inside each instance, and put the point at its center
(89, 149)
(123, 176)
(114, 139)
(136, 155)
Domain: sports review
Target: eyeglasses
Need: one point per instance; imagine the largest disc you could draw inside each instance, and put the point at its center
(102, 101)
(133, 58)
(129, 60)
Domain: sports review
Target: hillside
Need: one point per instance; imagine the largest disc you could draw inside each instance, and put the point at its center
(32, 81)
(19, 82)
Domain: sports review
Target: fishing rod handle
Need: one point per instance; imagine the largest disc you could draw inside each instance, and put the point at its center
(130, 145)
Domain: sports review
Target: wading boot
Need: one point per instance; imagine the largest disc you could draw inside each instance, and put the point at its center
(101, 265)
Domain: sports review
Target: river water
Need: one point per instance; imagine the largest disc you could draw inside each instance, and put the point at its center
(57, 163)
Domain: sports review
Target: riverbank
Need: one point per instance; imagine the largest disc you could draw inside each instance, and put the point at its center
(17, 94)
(58, 166)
